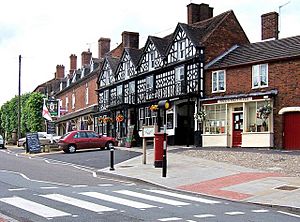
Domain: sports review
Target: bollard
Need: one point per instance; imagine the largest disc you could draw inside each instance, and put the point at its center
(112, 149)
(164, 163)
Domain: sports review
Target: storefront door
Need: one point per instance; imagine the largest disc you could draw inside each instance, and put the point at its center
(237, 127)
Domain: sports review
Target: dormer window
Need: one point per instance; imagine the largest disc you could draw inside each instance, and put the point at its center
(181, 50)
(151, 60)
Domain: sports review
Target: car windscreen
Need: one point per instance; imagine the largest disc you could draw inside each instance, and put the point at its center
(64, 136)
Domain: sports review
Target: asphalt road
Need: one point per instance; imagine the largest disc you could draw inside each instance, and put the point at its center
(41, 189)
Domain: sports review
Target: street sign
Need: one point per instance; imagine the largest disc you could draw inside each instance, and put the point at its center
(53, 107)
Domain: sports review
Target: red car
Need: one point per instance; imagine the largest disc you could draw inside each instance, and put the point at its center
(84, 139)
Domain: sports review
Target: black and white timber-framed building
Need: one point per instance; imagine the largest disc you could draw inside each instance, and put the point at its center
(169, 68)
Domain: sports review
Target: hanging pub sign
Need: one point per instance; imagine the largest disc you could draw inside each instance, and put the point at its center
(53, 107)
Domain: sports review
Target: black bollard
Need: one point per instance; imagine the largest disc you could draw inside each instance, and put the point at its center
(164, 163)
(112, 149)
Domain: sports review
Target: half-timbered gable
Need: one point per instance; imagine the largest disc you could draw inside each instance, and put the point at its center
(153, 54)
(182, 47)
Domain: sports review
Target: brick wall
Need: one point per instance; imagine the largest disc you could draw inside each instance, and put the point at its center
(283, 75)
(228, 34)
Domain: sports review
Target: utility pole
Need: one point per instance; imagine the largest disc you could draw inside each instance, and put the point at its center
(19, 100)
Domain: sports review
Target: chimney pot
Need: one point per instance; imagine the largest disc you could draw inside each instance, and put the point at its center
(73, 63)
(86, 58)
(197, 13)
(60, 72)
(103, 47)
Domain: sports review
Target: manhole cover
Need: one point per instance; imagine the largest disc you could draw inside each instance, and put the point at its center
(288, 188)
(125, 166)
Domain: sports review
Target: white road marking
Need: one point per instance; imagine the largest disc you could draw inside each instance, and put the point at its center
(118, 200)
(289, 214)
(48, 188)
(186, 197)
(78, 203)
(152, 198)
(76, 186)
(34, 207)
(17, 189)
(105, 185)
(234, 213)
(170, 219)
(204, 215)
(260, 211)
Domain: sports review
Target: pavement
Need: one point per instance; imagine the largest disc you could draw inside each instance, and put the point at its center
(211, 178)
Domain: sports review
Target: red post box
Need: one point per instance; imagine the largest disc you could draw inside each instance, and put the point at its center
(158, 149)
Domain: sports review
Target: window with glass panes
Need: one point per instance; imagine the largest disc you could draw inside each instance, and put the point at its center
(260, 76)
(215, 122)
(255, 124)
(141, 117)
(181, 49)
(218, 81)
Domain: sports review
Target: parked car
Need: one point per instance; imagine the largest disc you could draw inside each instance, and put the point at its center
(2, 142)
(44, 139)
(84, 139)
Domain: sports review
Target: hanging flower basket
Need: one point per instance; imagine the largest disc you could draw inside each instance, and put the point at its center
(153, 107)
(120, 118)
(107, 120)
(100, 120)
(200, 116)
(264, 112)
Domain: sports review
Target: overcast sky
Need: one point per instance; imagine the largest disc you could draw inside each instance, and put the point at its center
(47, 32)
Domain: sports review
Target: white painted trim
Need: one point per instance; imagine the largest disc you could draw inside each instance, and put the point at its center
(289, 109)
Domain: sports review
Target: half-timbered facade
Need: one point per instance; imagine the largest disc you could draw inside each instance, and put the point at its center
(169, 68)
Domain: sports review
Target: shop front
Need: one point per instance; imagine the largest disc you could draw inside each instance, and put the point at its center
(238, 122)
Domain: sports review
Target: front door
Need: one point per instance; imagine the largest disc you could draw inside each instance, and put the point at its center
(237, 127)
(292, 131)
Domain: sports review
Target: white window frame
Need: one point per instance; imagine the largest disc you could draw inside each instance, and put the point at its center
(67, 103)
(73, 100)
(257, 73)
(181, 45)
(86, 94)
(217, 74)
(126, 69)
(179, 73)
(149, 83)
(151, 60)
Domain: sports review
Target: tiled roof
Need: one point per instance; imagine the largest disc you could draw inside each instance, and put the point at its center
(113, 62)
(134, 54)
(259, 52)
(161, 44)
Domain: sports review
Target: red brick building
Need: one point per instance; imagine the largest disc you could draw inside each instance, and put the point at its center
(252, 93)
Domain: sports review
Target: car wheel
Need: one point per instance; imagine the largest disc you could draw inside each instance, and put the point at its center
(109, 145)
(72, 149)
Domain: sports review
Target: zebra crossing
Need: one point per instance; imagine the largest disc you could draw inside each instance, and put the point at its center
(97, 201)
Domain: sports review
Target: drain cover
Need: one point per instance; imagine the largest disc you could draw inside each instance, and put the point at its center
(288, 188)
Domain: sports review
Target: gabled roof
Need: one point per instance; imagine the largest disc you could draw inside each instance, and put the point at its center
(161, 44)
(259, 52)
(134, 55)
(113, 63)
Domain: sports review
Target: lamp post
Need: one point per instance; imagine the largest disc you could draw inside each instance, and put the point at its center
(19, 100)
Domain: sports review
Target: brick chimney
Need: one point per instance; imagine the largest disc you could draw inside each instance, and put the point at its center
(197, 13)
(103, 47)
(60, 72)
(130, 39)
(86, 58)
(269, 25)
(73, 63)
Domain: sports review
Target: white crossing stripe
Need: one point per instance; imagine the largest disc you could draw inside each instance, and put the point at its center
(152, 198)
(186, 197)
(78, 203)
(34, 207)
(204, 215)
(260, 211)
(289, 214)
(117, 200)
(234, 213)
(170, 219)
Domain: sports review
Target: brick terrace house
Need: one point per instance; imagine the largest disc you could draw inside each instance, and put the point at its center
(77, 94)
(253, 94)
(165, 68)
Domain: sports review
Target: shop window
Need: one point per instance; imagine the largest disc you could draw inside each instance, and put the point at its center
(255, 121)
(260, 76)
(215, 122)
(141, 118)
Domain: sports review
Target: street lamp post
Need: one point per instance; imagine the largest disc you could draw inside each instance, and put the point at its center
(19, 100)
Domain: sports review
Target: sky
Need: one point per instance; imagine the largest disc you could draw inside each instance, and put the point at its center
(45, 33)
